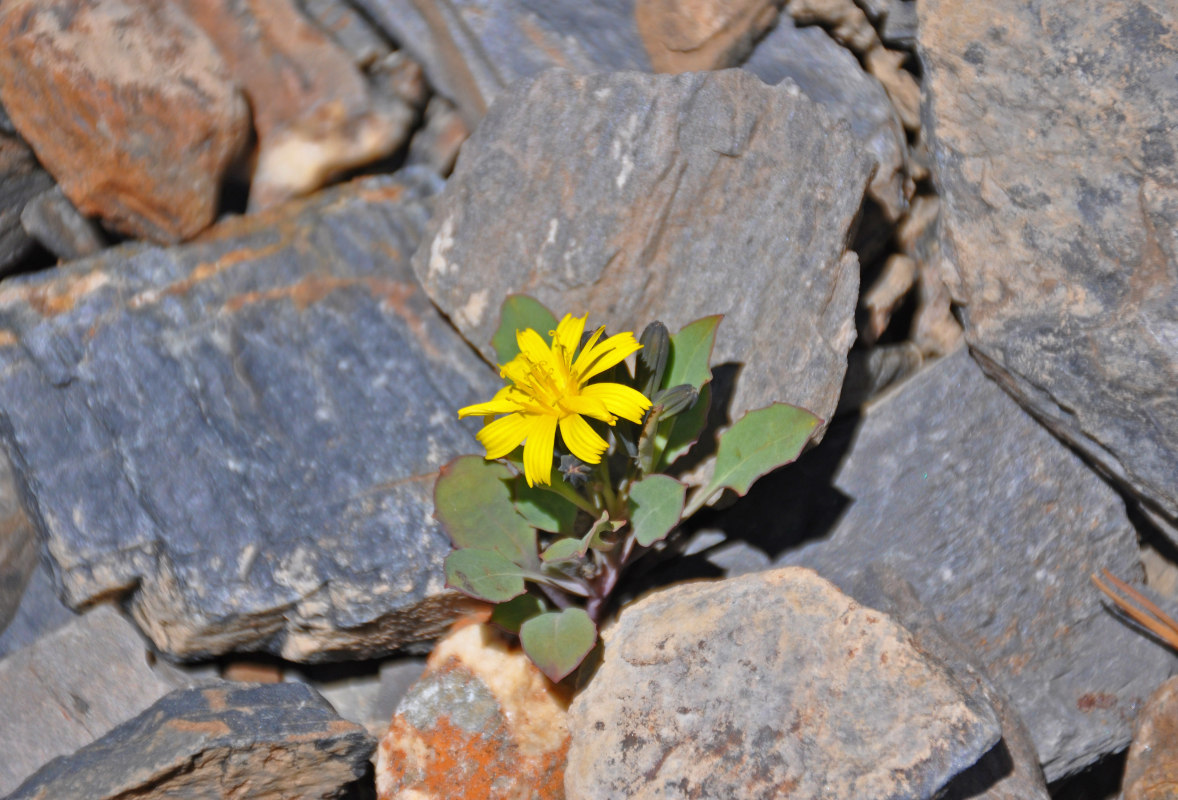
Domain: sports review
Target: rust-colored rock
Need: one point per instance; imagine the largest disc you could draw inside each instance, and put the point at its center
(482, 723)
(127, 105)
(1151, 771)
(313, 112)
(698, 35)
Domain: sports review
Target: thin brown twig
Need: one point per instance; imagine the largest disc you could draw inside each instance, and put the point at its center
(1140, 609)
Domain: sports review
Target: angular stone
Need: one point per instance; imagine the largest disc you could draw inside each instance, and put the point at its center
(349, 29)
(1010, 770)
(312, 110)
(53, 221)
(21, 179)
(483, 723)
(998, 526)
(1052, 126)
(701, 34)
(70, 688)
(40, 610)
(767, 685)
(472, 50)
(144, 119)
(1151, 770)
(242, 433)
(639, 197)
(831, 76)
(436, 144)
(265, 742)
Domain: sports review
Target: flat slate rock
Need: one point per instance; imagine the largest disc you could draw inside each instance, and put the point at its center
(639, 197)
(242, 433)
(21, 179)
(263, 742)
(71, 687)
(830, 75)
(998, 527)
(1052, 126)
(1010, 770)
(769, 685)
(472, 50)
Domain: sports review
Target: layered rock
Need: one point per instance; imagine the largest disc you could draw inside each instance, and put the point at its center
(108, 94)
(1052, 129)
(267, 741)
(241, 435)
(998, 526)
(639, 197)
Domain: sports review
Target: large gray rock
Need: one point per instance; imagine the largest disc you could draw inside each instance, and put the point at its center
(242, 433)
(263, 742)
(768, 685)
(18, 547)
(639, 197)
(472, 50)
(998, 527)
(1010, 770)
(70, 688)
(1052, 126)
(831, 76)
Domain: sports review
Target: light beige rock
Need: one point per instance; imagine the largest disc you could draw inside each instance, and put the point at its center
(1151, 770)
(769, 685)
(696, 35)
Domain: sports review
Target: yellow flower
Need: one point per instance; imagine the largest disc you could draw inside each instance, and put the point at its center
(549, 389)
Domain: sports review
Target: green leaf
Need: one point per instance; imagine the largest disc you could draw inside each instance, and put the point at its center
(473, 503)
(691, 353)
(516, 611)
(518, 312)
(678, 435)
(760, 442)
(565, 549)
(557, 641)
(544, 508)
(483, 574)
(656, 503)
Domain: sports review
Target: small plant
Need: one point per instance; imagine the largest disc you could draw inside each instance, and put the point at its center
(545, 530)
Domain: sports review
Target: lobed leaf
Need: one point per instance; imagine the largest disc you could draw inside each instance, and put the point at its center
(656, 505)
(519, 311)
(473, 503)
(558, 641)
(565, 549)
(758, 443)
(543, 508)
(484, 575)
(691, 353)
(515, 612)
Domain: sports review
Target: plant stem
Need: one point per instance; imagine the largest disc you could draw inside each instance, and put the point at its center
(558, 599)
(562, 488)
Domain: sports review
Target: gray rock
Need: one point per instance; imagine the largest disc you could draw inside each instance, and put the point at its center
(1052, 126)
(830, 75)
(768, 685)
(368, 698)
(348, 28)
(21, 179)
(40, 610)
(899, 26)
(998, 526)
(52, 220)
(638, 197)
(70, 688)
(472, 50)
(264, 741)
(1010, 770)
(242, 433)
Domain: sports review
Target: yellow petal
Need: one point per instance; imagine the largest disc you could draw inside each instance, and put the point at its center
(568, 335)
(501, 403)
(504, 434)
(538, 450)
(582, 440)
(618, 399)
(532, 347)
(600, 357)
(589, 407)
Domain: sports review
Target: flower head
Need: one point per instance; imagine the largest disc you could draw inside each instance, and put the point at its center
(550, 389)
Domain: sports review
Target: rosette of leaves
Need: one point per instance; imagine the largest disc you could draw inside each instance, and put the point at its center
(548, 557)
